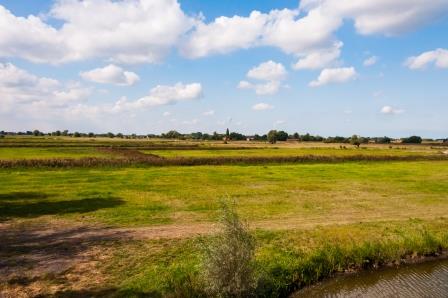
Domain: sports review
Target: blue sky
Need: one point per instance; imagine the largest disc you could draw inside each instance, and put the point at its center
(86, 66)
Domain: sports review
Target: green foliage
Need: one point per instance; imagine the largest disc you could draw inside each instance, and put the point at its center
(282, 135)
(172, 134)
(383, 140)
(412, 140)
(272, 136)
(228, 262)
(355, 141)
(237, 136)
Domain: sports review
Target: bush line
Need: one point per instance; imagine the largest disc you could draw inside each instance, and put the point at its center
(130, 158)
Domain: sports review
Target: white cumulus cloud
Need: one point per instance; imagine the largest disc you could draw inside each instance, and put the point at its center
(161, 95)
(285, 29)
(262, 106)
(111, 74)
(334, 75)
(388, 110)
(381, 16)
(320, 58)
(139, 31)
(270, 72)
(438, 57)
(19, 87)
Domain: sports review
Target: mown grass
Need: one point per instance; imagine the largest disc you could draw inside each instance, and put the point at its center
(310, 220)
(300, 194)
(285, 260)
(321, 151)
(15, 153)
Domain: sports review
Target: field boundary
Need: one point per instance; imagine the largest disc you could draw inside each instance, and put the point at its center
(133, 157)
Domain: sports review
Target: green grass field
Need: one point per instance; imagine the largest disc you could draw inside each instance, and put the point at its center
(130, 231)
(8, 153)
(322, 151)
(315, 193)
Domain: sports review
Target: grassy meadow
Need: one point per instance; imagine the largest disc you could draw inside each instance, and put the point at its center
(134, 230)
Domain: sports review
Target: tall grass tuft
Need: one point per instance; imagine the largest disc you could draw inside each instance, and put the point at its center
(229, 257)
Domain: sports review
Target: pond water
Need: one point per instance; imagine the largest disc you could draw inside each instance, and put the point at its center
(429, 279)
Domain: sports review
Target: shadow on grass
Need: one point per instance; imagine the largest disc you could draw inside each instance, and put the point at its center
(20, 205)
(34, 257)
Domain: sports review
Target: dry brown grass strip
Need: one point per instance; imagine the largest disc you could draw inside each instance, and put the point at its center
(131, 157)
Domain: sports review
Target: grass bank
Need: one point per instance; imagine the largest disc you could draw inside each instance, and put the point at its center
(285, 260)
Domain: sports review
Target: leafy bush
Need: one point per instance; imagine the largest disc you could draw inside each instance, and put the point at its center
(412, 140)
(229, 258)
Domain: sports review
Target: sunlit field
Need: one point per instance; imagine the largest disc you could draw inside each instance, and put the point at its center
(144, 222)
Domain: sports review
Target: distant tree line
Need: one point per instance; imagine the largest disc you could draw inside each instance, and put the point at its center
(272, 136)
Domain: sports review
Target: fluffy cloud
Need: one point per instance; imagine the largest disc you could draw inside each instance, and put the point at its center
(320, 58)
(370, 61)
(334, 75)
(161, 95)
(388, 110)
(144, 31)
(270, 72)
(19, 87)
(283, 29)
(381, 16)
(262, 106)
(439, 57)
(224, 35)
(139, 31)
(308, 32)
(111, 74)
(268, 88)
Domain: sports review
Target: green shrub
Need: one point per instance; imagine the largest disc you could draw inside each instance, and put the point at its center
(229, 258)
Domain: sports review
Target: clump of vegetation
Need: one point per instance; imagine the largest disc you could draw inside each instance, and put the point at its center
(412, 140)
(229, 258)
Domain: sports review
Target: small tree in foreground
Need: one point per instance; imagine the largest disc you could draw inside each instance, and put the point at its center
(228, 263)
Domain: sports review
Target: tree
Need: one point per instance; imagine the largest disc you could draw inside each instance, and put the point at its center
(172, 134)
(36, 132)
(237, 136)
(306, 137)
(383, 140)
(355, 140)
(196, 135)
(296, 136)
(412, 140)
(272, 136)
(76, 134)
(110, 135)
(216, 136)
(282, 135)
